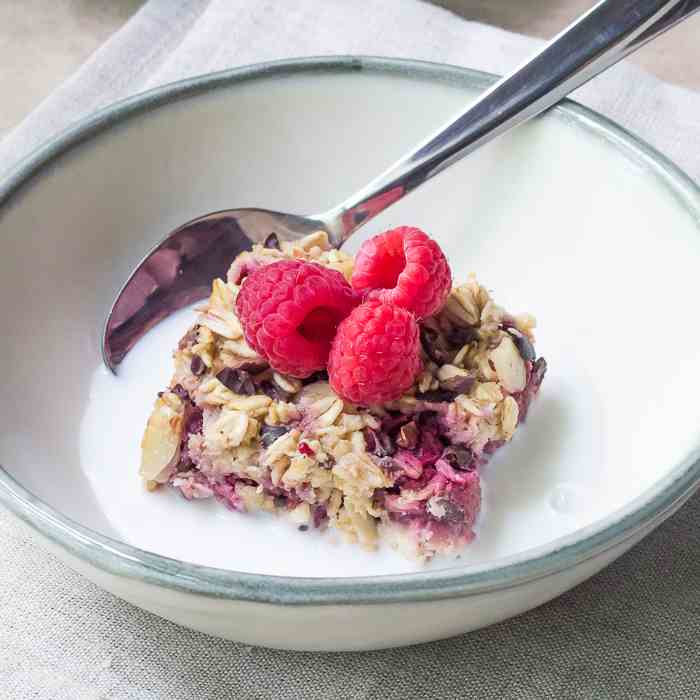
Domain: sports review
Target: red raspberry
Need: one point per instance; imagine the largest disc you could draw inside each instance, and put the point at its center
(290, 310)
(405, 267)
(374, 356)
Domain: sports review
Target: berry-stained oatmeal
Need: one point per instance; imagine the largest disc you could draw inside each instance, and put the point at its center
(359, 394)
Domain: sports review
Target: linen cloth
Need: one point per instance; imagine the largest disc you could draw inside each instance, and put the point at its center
(630, 632)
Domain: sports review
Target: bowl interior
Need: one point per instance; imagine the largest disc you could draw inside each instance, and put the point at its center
(555, 218)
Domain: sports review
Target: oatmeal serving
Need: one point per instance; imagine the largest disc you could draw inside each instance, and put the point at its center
(361, 394)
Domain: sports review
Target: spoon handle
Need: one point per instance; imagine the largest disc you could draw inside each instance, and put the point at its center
(606, 33)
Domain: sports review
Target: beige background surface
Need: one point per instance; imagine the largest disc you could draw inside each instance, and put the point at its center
(42, 42)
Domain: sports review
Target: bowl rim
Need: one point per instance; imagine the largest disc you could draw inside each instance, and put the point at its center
(124, 560)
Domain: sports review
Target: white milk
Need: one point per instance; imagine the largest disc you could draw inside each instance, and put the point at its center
(530, 494)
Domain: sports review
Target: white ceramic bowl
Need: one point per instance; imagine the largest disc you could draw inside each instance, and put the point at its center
(568, 217)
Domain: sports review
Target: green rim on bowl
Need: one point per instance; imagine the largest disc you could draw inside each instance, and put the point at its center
(121, 559)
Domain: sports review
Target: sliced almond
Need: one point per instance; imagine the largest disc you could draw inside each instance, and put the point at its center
(509, 417)
(288, 384)
(252, 499)
(249, 404)
(218, 315)
(456, 311)
(298, 471)
(230, 428)
(487, 392)
(160, 446)
(509, 366)
(469, 406)
(318, 239)
(329, 416)
(454, 378)
(239, 348)
(465, 296)
(357, 441)
(314, 392)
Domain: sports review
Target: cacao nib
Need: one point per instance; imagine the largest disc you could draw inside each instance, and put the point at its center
(458, 337)
(438, 396)
(428, 337)
(522, 342)
(272, 241)
(180, 392)
(431, 342)
(320, 515)
(270, 433)
(539, 369)
(459, 458)
(378, 498)
(378, 443)
(253, 366)
(394, 421)
(194, 420)
(185, 463)
(237, 380)
(197, 366)
(274, 392)
(320, 376)
(193, 423)
(189, 339)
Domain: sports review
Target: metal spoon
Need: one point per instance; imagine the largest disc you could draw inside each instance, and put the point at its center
(179, 270)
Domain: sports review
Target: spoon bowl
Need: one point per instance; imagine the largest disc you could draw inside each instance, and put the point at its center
(179, 270)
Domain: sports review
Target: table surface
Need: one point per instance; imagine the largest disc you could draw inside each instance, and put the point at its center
(43, 43)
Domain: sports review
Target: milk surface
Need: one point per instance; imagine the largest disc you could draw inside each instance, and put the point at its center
(532, 493)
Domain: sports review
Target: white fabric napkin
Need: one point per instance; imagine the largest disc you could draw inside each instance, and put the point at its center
(172, 39)
(631, 632)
